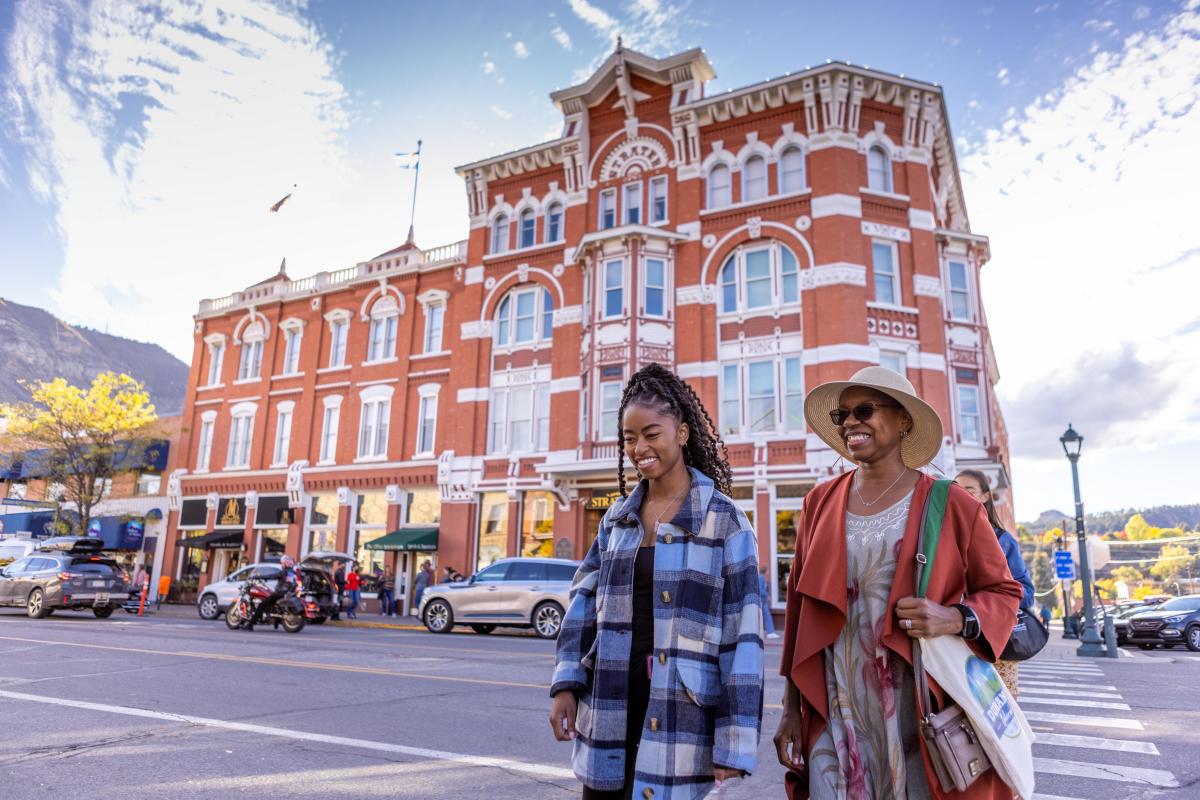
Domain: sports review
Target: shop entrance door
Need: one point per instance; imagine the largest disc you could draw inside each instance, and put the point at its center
(403, 582)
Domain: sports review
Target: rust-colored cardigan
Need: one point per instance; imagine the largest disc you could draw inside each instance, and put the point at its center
(969, 567)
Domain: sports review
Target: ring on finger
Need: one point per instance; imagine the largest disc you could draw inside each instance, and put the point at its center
(907, 623)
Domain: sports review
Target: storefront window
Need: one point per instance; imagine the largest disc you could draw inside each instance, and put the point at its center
(424, 507)
(370, 520)
(323, 515)
(537, 525)
(493, 528)
(274, 542)
(785, 549)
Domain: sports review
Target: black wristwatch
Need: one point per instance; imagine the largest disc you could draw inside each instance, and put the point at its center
(970, 628)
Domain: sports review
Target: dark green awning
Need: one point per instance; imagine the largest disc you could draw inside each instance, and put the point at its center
(408, 539)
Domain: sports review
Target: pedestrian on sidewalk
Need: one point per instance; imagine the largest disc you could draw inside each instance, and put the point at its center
(977, 485)
(387, 593)
(339, 582)
(1044, 613)
(764, 599)
(658, 676)
(849, 724)
(141, 578)
(421, 582)
(353, 581)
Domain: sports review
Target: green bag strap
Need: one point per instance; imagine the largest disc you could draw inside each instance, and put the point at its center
(931, 532)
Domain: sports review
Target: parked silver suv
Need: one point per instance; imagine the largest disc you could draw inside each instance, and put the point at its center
(515, 592)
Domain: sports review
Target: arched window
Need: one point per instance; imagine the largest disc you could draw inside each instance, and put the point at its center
(525, 315)
(381, 338)
(879, 169)
(528, 228)
(759, 276)
(500, 234)
(791, 170)
(754, 179)
(719, 187)
(554, 222)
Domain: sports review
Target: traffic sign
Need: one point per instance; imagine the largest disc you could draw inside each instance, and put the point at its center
(1064, 565)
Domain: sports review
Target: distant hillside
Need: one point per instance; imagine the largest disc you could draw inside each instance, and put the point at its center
(36, 345)
(1187, 517)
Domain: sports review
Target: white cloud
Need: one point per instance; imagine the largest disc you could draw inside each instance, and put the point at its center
(489, 67)
(1096, 267)
(520, 50)
(1002, 76)
(597, 18)
(500, 112)
(161, 136)
(648, 26)
(562, 37)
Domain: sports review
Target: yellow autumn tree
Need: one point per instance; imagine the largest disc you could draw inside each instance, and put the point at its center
(80, 437)
(1174, 561)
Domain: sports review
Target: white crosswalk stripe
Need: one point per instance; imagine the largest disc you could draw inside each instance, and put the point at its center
(1028, 690)
(1059, 752)
(1071, 702)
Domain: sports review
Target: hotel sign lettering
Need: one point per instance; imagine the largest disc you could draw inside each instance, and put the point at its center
(602, 502)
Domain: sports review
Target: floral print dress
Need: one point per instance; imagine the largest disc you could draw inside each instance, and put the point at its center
(869, 749)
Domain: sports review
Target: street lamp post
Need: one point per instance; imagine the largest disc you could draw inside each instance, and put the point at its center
(1091, 644)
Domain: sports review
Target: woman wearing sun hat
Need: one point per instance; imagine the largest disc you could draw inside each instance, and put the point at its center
(849, 726)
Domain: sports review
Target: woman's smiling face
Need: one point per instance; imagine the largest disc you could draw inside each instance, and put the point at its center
(878, 436)
(653, 440)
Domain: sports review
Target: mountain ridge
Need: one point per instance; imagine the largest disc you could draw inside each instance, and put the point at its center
(35, 345)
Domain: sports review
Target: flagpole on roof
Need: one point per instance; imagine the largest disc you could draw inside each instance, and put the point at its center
(416, 179)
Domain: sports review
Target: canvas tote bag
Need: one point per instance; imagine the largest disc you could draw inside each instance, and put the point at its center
(985, 715)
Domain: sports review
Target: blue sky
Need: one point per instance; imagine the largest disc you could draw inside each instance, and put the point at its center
(148, 141)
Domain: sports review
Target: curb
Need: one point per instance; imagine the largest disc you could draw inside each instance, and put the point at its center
(354, 623)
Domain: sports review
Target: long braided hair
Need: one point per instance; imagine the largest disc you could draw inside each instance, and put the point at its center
(657, 387)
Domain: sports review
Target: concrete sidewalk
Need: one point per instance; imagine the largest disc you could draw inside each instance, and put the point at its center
(188, 611)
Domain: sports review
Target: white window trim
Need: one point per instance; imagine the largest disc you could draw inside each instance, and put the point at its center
(742, 311)
(602, 285)
(335, 317)
(888, 170)
(785, 504)
(287, 407)
(803, 151)
(562, 220)
(381, 312)
(660, 180)
(252, 341)
(246, 410)
(497, 244)
(615, 195)
(667, 288)
(611, 435)
(543, 294)
(899, 301)
(970, 289)
(708, 187)
(520, 220)
(766, 176)
(332, 403)
(379, 393)
(204, 449)
(958, 412)
(427, 392)
(742, 433)
(634, 188)
(216, 359)
(288, 328)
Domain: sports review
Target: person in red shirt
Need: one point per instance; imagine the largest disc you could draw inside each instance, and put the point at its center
(352, 588)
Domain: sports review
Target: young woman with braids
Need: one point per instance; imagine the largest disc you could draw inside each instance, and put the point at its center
(659, 667)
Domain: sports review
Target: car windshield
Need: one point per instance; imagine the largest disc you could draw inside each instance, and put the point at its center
(1181, 604)
(93, 567)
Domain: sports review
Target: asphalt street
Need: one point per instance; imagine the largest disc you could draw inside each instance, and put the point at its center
(174, 707)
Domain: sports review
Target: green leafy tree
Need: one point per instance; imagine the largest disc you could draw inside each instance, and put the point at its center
(1175, 561)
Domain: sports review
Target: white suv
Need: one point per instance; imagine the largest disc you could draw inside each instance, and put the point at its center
(515, 592)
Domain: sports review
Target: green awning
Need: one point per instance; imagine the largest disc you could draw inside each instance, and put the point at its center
(407, 539)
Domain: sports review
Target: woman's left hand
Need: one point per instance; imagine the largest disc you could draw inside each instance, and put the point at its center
(721, 774)
(926, 618)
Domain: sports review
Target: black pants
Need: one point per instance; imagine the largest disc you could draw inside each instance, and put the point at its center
(265, 606)
(639, 699)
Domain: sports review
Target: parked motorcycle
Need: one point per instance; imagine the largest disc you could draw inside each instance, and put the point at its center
(290, 611)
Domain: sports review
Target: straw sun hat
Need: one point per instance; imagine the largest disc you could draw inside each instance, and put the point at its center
(921, 444)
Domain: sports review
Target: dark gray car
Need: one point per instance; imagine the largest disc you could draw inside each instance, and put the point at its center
(75, 577)
(514, 592)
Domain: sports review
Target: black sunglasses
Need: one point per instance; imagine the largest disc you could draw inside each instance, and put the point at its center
(861, 412)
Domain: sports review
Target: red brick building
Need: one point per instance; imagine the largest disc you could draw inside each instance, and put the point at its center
(759, 241)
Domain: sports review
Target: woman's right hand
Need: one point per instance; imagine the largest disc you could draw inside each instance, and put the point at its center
(787, 740)
(562, 716)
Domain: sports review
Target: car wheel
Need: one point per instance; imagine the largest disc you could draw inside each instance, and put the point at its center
(208, 607)
(547, 620)
(439, 617)
(483, 628)
(1145, 646)
(35, 606)
(1193, 638)
(103, 613)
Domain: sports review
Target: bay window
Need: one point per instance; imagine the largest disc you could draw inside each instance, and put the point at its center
(960, 297)
(655, 288)
(614, 288)
(969, 418)
(610, 407)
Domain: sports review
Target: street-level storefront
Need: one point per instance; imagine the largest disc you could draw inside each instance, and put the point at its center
(402, 551)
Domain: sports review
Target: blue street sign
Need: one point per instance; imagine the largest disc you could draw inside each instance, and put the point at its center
(1064, 566)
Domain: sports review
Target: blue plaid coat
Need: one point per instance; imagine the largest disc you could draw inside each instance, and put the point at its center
(706, 684)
